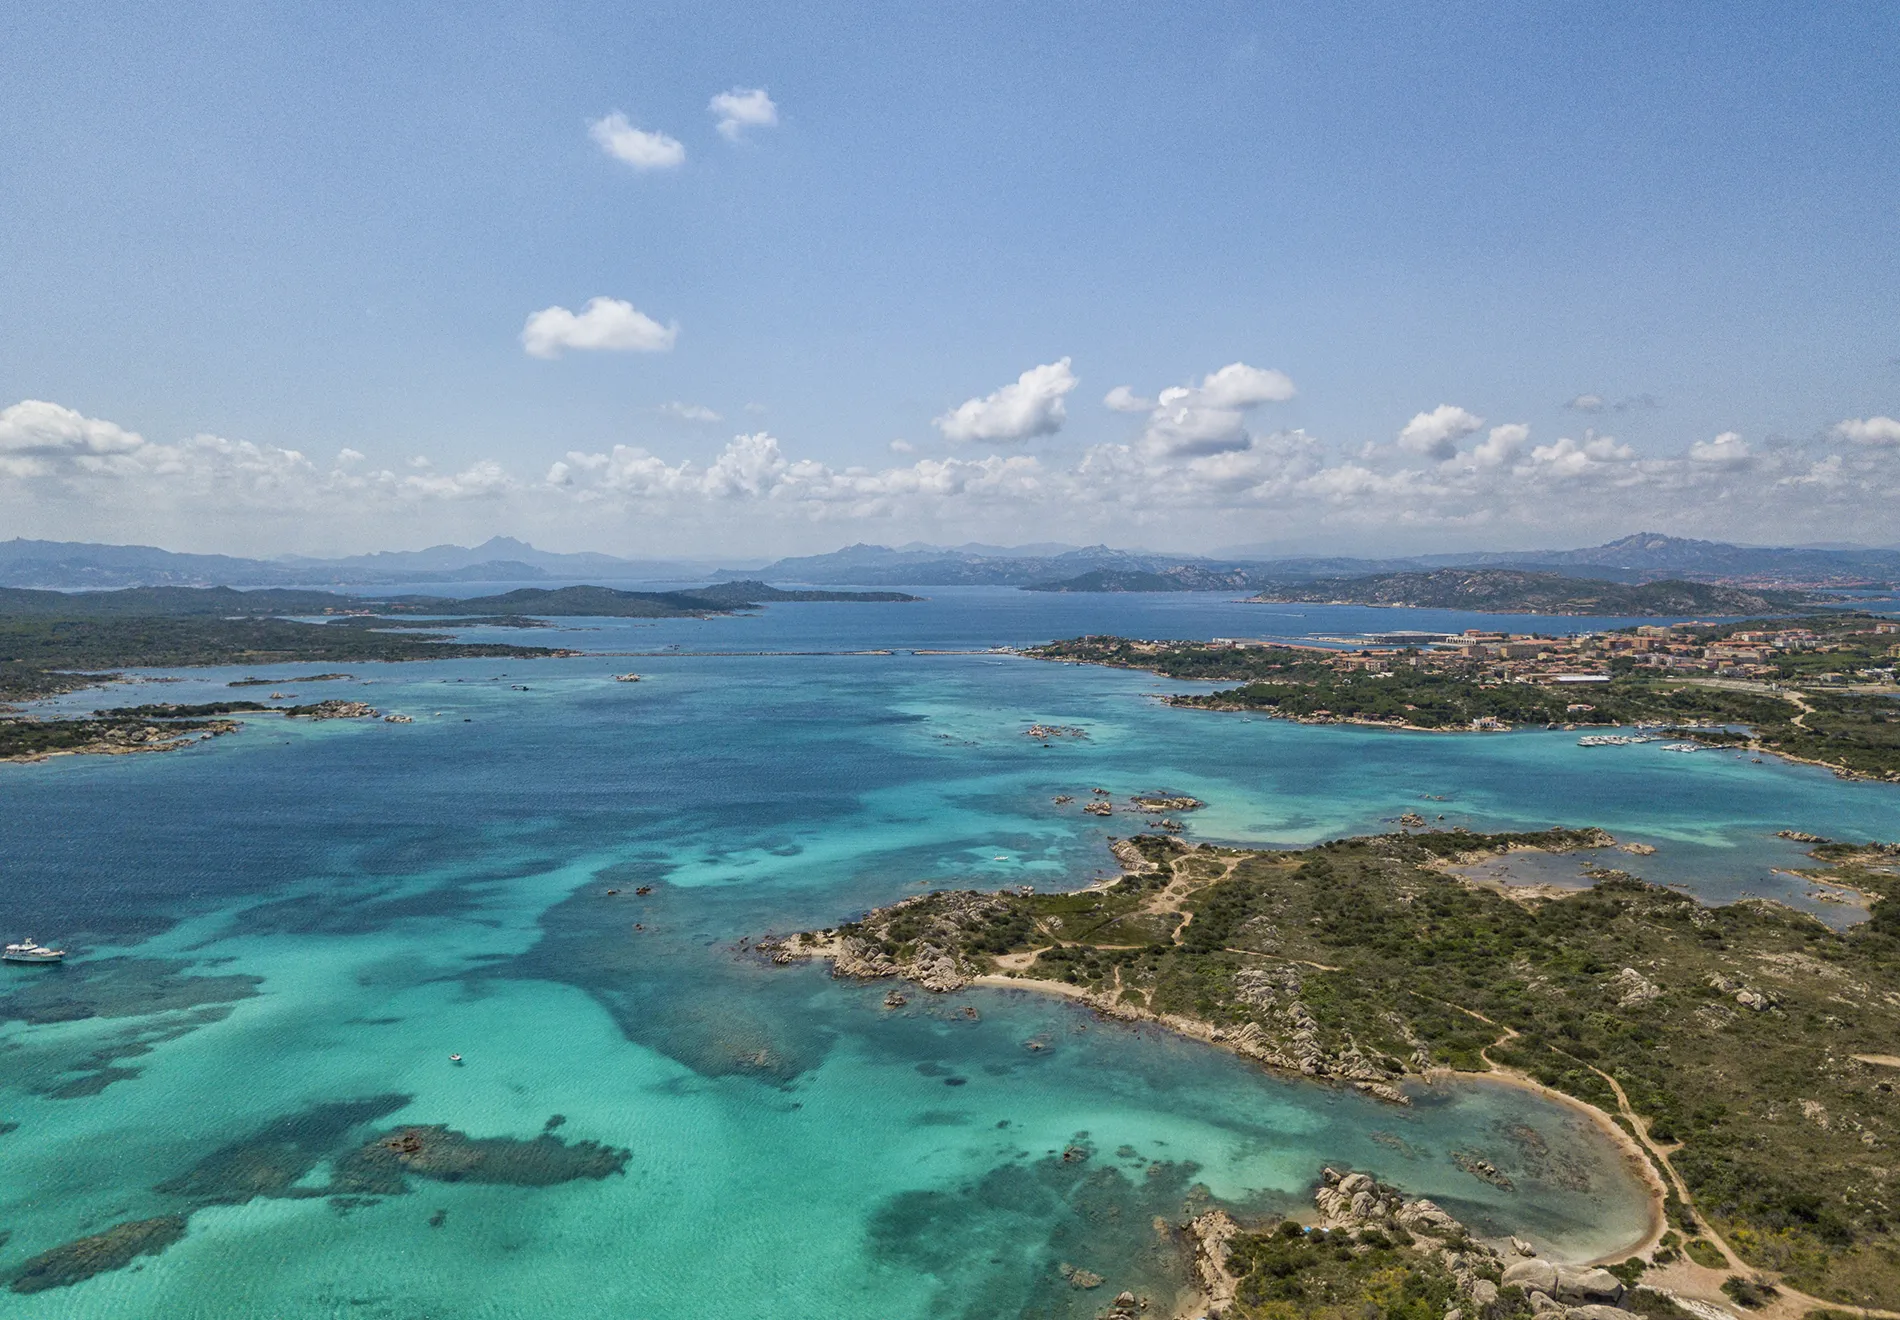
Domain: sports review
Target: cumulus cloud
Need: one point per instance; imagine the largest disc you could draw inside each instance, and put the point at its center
(39, 438)
(1586, 403)
(690, 412)
(1436, 433)
(56, 452)
(1032, 406)
(1503, 447)
(1238, 385)
(1123, 399)
(603, 325)
(1570, 459)
(637, 147)
(743, 108)
(1188, 421)
(1726, 450)
(1870, 430)
(66, 474)
(901, 446)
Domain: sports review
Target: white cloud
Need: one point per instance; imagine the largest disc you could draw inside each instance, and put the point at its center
(634, 146)
(1188, 421)
(604, 324)
(1502, 447)
(1032, 406)
(1436, 433)
(1570, 459)
(743, 108)
(690, 412)
(68, 475)
(1726, 450)
(39, 439)
(903, 447)
(1586, 403)
(347, 457)
(1870, 430)
(1238, 385)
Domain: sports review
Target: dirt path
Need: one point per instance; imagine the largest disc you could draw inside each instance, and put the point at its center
(1685, 1275)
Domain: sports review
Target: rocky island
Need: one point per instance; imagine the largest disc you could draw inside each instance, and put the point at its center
(1742, 1053)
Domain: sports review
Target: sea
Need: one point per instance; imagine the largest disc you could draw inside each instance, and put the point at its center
(282, 938)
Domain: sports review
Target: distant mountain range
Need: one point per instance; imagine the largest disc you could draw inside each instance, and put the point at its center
(65, 565)
(536, 602)
(1645, 557)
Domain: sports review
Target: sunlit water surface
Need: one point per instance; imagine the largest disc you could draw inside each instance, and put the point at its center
(295, 916)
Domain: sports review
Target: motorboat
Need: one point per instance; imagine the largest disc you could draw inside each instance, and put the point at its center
(27, 951)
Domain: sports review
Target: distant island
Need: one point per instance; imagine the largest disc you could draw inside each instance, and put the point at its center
(551, 602)
(1721, 1045)
(1510, 591)
(54, 642)
(609, 602)
(1482, 590)
(1643, 557)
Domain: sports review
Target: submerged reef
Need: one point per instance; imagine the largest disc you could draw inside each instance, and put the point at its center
(113, 1249)
(381, 1167)
(277, 1160)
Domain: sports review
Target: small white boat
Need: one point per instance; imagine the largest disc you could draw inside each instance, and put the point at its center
(26, 951)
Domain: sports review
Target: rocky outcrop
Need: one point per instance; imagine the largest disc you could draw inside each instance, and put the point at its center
(918, 939)
(1742, 993)
(1565, 1284)
(1631, 988)
(1354, 1202)
(334, 710)
(1210, 1238)
(1291, 1038)
(1145, 802)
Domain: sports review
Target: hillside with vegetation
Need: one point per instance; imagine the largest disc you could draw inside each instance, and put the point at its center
(1748, 1047)
(1856, 733)
(1511, 591)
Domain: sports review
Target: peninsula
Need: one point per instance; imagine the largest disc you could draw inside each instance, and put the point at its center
(1817, 690)
(1743, 1052)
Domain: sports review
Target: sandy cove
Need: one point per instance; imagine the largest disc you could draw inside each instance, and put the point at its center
(828, 949)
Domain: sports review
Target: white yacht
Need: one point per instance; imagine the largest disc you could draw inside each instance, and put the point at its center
(26, 951)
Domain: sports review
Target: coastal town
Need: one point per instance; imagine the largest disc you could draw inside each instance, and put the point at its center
(1816, 688)
(1848, 651)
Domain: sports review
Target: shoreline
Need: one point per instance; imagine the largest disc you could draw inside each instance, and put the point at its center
(1752, 747)
(1634, 1155)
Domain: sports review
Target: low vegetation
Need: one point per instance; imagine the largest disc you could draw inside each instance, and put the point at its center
(1752, 1042)
(1513, 591)
(1858, 733)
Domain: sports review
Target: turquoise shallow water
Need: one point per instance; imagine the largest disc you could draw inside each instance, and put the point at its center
(297, 916)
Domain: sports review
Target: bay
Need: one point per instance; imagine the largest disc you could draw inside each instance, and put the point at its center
(301, 915)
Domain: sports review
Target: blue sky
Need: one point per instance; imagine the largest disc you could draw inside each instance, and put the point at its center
(237, 242)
